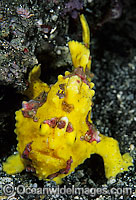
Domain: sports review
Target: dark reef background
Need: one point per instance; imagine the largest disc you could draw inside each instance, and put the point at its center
(37, 31)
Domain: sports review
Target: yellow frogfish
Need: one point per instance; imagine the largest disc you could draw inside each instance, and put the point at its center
(54, 129)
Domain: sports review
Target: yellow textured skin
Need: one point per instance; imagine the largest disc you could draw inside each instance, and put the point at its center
(52, 147)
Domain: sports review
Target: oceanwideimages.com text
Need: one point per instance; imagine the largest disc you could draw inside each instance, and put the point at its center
(10, 190)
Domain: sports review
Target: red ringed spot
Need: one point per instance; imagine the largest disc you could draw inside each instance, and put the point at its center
(51, 122)
(78, 81)
(62, 171)
(69, 128)
(61, 124)
(26, 151)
